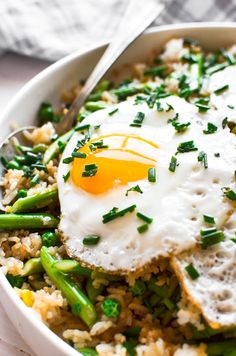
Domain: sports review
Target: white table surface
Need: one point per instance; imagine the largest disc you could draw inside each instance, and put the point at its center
(15, 71)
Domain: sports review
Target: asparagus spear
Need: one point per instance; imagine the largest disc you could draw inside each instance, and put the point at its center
(54, 149)
(72, 266)
(79, 302)
(92, 292)
(95, 105)
(27, 221)
(35, 201)
(32, 266)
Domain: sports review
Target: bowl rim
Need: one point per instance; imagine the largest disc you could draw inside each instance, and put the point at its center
(35, 321)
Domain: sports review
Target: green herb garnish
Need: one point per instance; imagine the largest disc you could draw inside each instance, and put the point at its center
(144, 218)
(187, 146)
(211, 128)
(224, 122)
(115, 213)
(138, 120)
(209, 219)
(67, 160)
(82, 127)
(180, 127)
(211, 237)
(113, 112)
(229, 193)
(91, 240)
(202, 157)
(221, 89)
(90, 170)
(134, 189)
(79, 155)
(152, 175)
(142, 228)
(66, 176)
(193, 273)
(173, 164)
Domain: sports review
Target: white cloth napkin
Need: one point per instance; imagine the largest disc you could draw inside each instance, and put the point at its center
(50, 29)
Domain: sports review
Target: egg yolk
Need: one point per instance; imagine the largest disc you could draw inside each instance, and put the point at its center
(119, 159)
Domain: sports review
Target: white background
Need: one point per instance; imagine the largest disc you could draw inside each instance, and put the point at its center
(15, 71)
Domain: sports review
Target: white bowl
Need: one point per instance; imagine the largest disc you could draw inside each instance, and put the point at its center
(47, 86)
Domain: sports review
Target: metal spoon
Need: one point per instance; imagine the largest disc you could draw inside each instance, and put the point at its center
(137, 17)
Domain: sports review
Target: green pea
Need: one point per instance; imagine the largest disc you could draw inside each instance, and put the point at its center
(50, 239)
(111, 308)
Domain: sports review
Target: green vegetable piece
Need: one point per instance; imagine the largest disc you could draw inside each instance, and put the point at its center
(138, 289)
(72, 266)
(46, 113)
(230, 194)
(27, 221)
(50, 238)
(91, 240)
(221, 90)
(173, 164)
(35, 180)
(79, 302)
(221, 348)
(130, 346)
(13, 165)
(152, 175)
(40, 148)
(95, 105)
(193, 273)
(92, 292)
(32, 266)
(36, 201)
(156, 71)
(103, 275)
(209, 219)
(22, 193)
(54, 149)
(15, 281)
(111, 308)
(88, 351)
(211, 128)
(142, 228)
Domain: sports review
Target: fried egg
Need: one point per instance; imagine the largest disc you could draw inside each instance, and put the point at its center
(163, 216)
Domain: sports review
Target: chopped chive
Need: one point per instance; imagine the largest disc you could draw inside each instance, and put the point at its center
(92, 147)
(35, 180)
(193, 273)
(66, 176)
(91, 240)
(187, 146)
(208, 231)
(79, 155)
(138, 120)
(213, 238)
(13, 165)
(229, 193)
(209, 219)
(216, 68)
(224, 122)
(234, 240)
(155, 71)
(168, 303)
(89, 173)
(88, 167)
(113, 112)
(67, 160)
(173, 164)
(144, 218)
(61, 146)
(202, 157)
(211, 128)
(221, 89)
(180, 127)
(134, 189)
(142, 228)
(202, 107)
(39, 166)
(230, 107)
(82, 127)
(152, 175)
(114, 213)
(217, 154)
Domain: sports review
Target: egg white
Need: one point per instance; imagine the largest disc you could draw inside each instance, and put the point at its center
(176, 202)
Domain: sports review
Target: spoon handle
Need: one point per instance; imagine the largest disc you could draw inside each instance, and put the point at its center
(137, 17)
